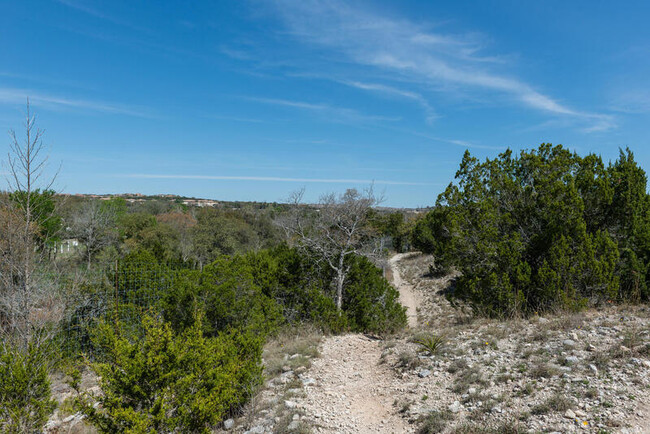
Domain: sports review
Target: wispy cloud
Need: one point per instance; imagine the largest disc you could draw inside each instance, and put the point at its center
(454, 142)
(237, 119)
(596, 123)
(393, 91)
(416, 53)
(83, 7)
(384, 89)
(271, 179)
(333, 113)
(234, 53)
(19, 96)
(45, 80)
(632, 102)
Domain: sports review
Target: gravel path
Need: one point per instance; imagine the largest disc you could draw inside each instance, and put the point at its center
(353, 392)
(407, 295)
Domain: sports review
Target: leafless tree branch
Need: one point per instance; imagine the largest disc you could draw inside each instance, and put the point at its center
(332, 230)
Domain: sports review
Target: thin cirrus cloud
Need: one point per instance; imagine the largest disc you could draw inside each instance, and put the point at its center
(393, 91)
(441, 61)
(635, 102)
(53, 102)
(236, 119)
(383, 89)
(271, 179)
(333, 113)
(83, 7)
(460, 143)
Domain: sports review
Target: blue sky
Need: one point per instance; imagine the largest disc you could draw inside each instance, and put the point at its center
(250, 100)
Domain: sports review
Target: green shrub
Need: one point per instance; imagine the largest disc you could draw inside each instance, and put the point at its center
(168, 382)
(264, 290)
(542, 230)
(302, 289)
(430, 234)
(369, 301)
(229, 296)
(25, 402)
(298, 285)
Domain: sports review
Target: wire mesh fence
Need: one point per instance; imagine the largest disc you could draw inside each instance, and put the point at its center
(121, 292)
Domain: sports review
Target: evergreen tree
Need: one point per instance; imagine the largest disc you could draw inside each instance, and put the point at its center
(541, 230)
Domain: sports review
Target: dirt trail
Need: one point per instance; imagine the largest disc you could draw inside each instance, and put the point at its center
(353, 392)
(407, 296)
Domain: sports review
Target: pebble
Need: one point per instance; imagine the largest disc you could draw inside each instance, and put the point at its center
(569, 343)
(572, 360)
(455, 407)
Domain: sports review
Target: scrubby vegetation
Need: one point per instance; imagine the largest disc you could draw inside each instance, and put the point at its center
(542, 230)
(25, 397)
(169, 303)
(207, 318)
(167, 382)
(266, 290)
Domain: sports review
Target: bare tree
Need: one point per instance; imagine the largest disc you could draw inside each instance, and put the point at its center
(15, 251)
(27, 302)
(333, 231)
(94, 226)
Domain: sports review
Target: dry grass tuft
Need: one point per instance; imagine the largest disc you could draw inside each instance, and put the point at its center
(299, 342)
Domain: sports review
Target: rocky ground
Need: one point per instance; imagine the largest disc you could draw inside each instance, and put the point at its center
(586, 372)
(64, 419)
(566, 373)
(351, 390)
